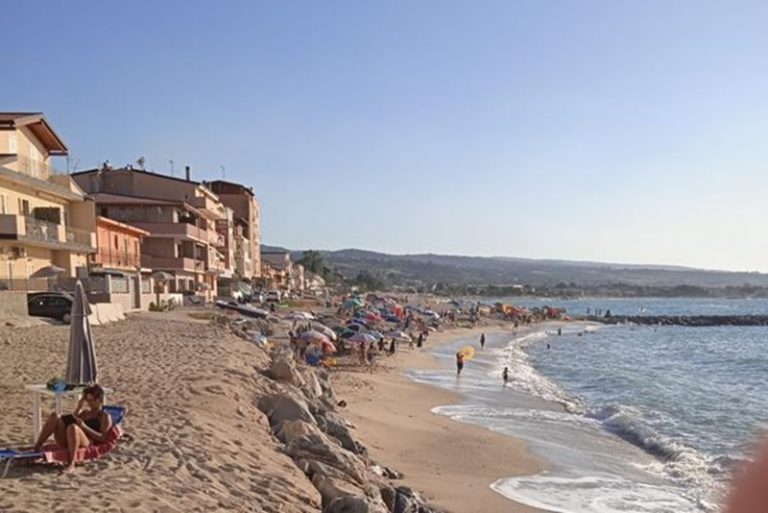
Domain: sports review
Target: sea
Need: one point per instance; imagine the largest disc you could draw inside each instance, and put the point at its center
(642, 419)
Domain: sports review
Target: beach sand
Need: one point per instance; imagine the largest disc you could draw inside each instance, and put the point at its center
(198, 441)
(452, 463)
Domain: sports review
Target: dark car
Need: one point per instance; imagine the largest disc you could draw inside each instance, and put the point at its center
(55, 305)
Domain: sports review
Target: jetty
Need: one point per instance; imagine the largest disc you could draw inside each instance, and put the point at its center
(684, 320)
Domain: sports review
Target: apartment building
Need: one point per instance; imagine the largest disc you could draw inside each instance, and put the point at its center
(46, 220)
(247, 219)
(118, 246)
(183, 220)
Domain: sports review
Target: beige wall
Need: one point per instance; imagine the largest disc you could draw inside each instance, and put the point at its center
(32, 158)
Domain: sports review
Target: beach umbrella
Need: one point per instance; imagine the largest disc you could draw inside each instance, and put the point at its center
(353, 303)
(325, 330)
(328, 347)
(354, 327)
(363, 338)
(314, 337)
(81, 363)
(359, 322)
(49, 271)
(376, 334)
(300, 316)
(400, 335)
(347, 334)
(468, 352)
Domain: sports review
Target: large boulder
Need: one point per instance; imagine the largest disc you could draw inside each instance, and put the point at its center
(317, 446)
(332, 488)
(281, 408)
(356, 504)
(290, 430)
(284, 369)
(408, 501)
(335, 425)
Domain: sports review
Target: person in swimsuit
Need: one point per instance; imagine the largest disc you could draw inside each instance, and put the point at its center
(505, 375)
(88, 424)
(459, 363)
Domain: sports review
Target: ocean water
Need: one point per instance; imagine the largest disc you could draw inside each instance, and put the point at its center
(632, 418)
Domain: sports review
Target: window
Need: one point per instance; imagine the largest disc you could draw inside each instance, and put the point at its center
(24, 207)
(4, 204)
(117, 244)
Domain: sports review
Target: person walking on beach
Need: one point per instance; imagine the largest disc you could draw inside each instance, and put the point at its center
(459, 363)
(420, 340)
(482, 341)
(392, 347)
(505, 375)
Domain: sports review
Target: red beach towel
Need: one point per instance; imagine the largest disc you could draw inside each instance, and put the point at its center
(53, 453)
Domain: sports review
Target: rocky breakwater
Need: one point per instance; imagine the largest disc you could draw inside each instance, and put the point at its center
(685, 320)
(303, 415)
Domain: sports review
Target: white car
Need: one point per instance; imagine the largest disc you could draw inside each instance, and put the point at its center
(273, 296)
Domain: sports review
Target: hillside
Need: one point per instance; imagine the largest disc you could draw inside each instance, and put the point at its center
(429, 269)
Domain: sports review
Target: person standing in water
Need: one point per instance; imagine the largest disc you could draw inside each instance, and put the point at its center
(459, 363)
(505, 375)
(482, 341)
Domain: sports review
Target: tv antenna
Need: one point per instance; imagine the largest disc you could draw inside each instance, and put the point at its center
(223, 172)
(171, 163)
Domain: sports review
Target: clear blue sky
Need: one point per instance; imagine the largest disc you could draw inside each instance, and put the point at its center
(602, 130)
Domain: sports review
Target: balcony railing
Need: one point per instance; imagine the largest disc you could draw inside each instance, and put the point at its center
(182, 230)
(172, 263)
(110, 257)
(45, 233)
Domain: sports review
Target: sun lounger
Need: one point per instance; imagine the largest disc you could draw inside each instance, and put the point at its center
(52, 453)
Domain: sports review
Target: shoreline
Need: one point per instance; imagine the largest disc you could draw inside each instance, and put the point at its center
(452, 463)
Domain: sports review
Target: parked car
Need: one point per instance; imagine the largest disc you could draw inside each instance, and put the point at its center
(54, 305)
(273, 296)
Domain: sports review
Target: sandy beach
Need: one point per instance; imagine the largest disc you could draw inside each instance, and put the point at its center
(198, 441)
(451, 462)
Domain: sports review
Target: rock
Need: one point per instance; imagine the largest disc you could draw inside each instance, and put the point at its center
(356, 504)
(332, 488)
(293, 429)
(317, 467)
(318, 446)
(388, 495)
(408, 501)
(335, 425)
(284, 369)
(280, 408)
(312, 388)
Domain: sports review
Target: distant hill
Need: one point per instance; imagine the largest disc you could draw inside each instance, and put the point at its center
(429, 269)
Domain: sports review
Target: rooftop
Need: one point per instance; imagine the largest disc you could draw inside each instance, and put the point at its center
(39, 126)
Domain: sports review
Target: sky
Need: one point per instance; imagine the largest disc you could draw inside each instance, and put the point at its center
(631, 131)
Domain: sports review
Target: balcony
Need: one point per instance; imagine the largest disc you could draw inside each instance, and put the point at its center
(183, 231)
(172, 263)
(209, 205)
(36, 232)
(112, 258)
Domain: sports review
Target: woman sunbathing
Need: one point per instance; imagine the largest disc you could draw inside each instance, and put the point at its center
(88, 424)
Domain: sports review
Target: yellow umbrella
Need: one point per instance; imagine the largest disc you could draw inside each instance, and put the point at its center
(468, 352)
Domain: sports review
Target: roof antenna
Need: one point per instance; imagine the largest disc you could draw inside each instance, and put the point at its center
(171, 163)
(223, 172)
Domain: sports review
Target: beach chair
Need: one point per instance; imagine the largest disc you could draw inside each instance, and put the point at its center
(52, 453)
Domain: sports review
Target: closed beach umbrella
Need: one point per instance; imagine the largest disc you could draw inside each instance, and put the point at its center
(81, 363)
